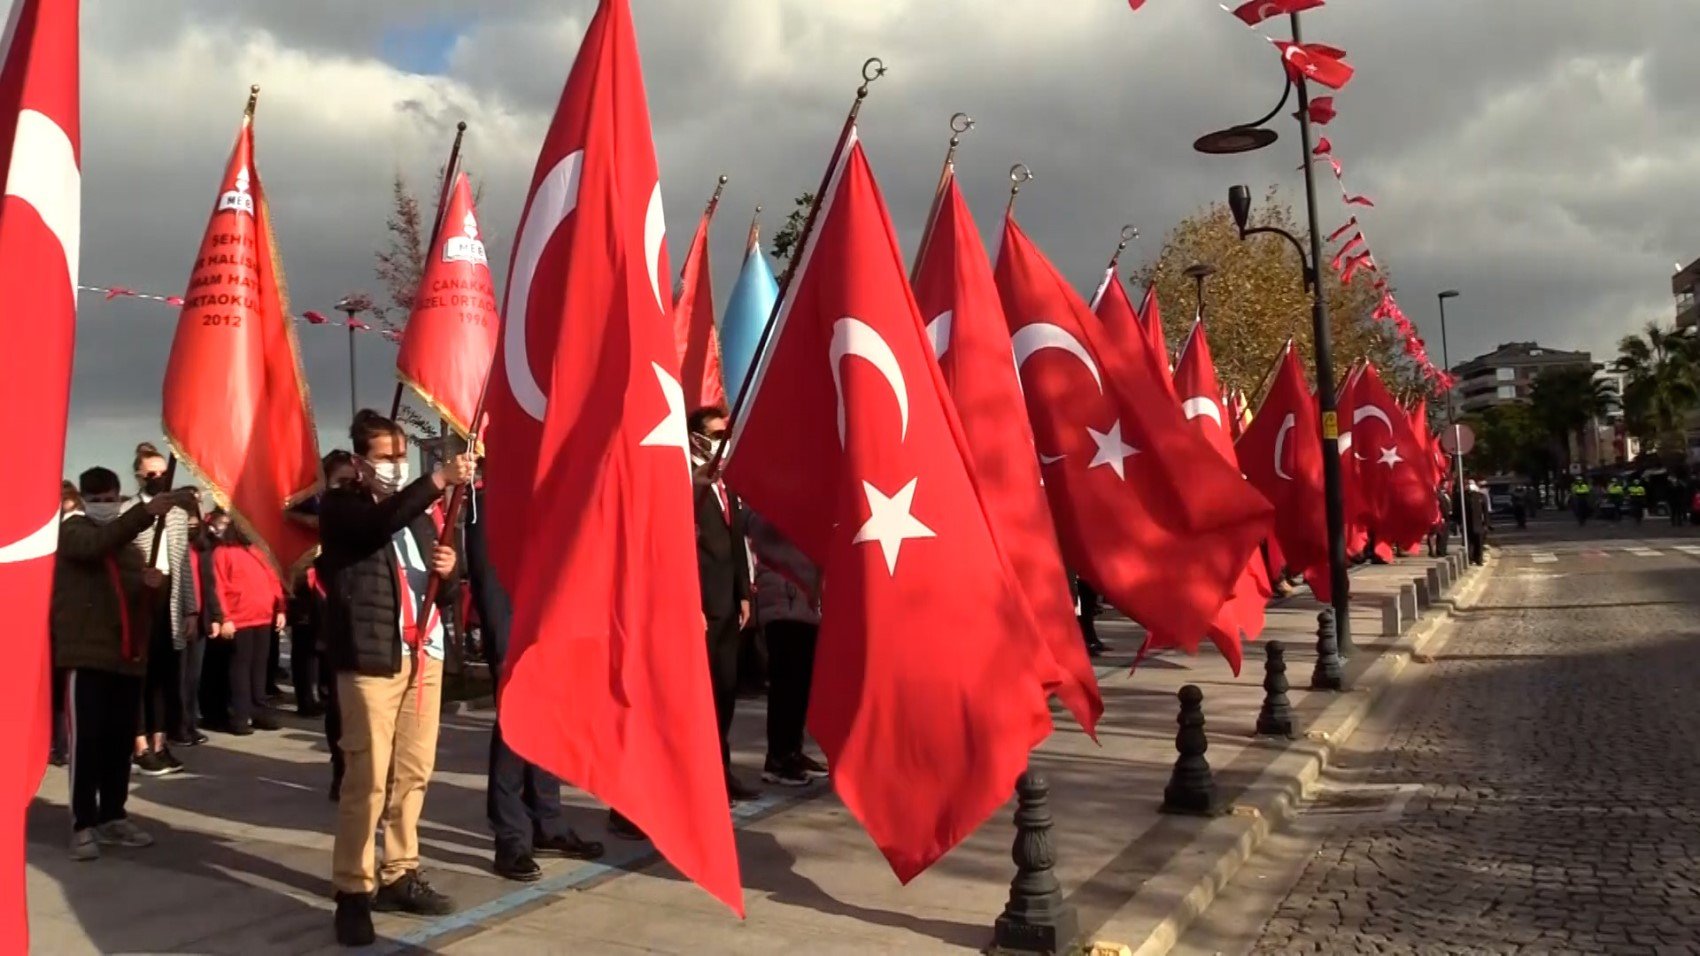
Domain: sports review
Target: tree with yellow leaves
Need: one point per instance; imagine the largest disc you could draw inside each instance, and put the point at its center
(1256, 300)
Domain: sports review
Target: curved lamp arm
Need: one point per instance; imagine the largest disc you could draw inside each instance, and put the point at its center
(1304, 261)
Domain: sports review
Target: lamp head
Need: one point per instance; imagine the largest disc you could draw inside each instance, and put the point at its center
(1199, 270)
(1449, 294)
(1239, 203)
(1235, 139)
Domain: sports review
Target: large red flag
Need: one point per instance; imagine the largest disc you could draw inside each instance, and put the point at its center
(1393, 469)
(953, 285)
(236, 407)
(589, 481)
(40, 234)
(1351, 492)
(1146, 510)
(1281, 455)
(849, 445)
(451, 334)
(693, 325)
(1315, 61)
(1201, 400)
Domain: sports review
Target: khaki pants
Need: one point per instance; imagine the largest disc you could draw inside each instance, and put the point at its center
(389, 741)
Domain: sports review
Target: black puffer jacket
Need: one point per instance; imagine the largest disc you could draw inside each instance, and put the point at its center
(358, 567)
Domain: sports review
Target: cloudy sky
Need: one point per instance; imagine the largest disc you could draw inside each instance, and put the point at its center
(1539, 155)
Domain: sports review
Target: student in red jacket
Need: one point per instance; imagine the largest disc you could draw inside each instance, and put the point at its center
(251, 597)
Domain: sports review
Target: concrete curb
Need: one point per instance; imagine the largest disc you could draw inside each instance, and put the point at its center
(1172, 899)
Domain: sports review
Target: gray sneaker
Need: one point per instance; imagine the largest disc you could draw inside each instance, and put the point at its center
(84, 846)
(122, 833)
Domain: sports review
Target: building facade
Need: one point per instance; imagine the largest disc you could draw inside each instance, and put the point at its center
(1508, 373)
(1685, 286)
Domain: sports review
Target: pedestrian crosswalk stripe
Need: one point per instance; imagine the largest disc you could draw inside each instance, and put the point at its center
(1689, 549)
(1644, 552)
(1544, 558)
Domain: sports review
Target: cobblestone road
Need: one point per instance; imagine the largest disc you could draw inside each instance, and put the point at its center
(1556, 741)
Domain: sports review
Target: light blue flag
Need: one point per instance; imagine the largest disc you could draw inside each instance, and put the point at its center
(746, 315)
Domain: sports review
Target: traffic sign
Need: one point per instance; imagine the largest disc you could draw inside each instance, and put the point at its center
(1458, 440)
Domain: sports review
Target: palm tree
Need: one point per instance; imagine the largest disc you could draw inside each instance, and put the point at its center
(1566, 400)
(1661, 368)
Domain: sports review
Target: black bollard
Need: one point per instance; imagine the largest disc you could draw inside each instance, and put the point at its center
(1192, 789)
(1276, 717)
(1036, 919)
(1328, 674)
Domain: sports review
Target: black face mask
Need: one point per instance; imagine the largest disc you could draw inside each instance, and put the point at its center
(155, 485)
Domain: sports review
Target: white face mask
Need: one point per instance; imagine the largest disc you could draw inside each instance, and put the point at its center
(390, 476)
(103, 512)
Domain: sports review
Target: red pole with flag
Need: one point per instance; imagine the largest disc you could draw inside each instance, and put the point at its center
(864, 466)
(451, 333)
(693, 319)
(235, 404)
(592, 524)
(40, 234)
(965, 323)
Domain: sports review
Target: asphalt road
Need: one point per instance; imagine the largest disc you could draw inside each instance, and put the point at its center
(1534, 789)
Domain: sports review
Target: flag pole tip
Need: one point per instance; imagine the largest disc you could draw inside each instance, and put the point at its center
(1130, 232)
(724, 178)
(253, 100)
(460, 127)
(872, 69)
(1019, 175)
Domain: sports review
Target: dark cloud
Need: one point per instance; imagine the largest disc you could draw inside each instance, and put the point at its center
(1532, 154)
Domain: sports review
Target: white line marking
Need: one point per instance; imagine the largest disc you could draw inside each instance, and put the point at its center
(1544, 558)
(1644, 552)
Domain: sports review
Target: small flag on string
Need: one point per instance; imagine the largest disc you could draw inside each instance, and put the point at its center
(1257, 11)
(1322, 110)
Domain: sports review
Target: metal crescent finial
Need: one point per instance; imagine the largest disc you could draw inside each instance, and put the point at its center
(959, 123)
(872, 69)
(1129, 233)
(1019, 175)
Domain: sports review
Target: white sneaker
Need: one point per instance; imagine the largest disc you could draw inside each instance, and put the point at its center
(122, 833)
(84, 846)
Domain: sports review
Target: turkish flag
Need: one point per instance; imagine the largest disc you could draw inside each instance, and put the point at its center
(1322, 110)
(1131, 333)
(1242, 616)
(1393, 469)
(849, 445)
(1257, 11)
(1281, 455)
(954, 286)
(1315, 61)
(235, 402)
(1428, 445)
(451, 334)
(1146, 510)
(589, 485)
(1151, 320)
(693, 326)
(1356, 507)
(40, 232)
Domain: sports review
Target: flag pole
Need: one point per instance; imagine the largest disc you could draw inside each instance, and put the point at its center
(754, 235)
(872, 69)
(451, 512)
(450, 171)
(171, 459)
(1019, 176)
(714, 200)
(959, 123)
(1130, 232)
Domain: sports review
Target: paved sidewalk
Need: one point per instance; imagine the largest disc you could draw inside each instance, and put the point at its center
(244, 839)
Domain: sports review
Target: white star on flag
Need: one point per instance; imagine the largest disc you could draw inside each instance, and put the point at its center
(1390, 457)
(1112, 450)
(671, 433)
(890, 523)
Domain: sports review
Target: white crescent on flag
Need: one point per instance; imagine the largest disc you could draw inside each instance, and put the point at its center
(1200, 405)
(654, 234)
(553, 201)
(852, 336)
(1043, 335)
(1358, 415)
(1281, 445)
(938, 330)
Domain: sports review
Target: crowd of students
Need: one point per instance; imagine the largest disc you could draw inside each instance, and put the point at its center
(154, 645)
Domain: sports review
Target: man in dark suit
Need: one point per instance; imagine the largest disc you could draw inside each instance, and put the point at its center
(522, 800)
(723, 568)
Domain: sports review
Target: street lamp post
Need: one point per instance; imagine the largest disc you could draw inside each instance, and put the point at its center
(1245, 138)
(1452, 425)
(1198, 272)
(352, 305)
